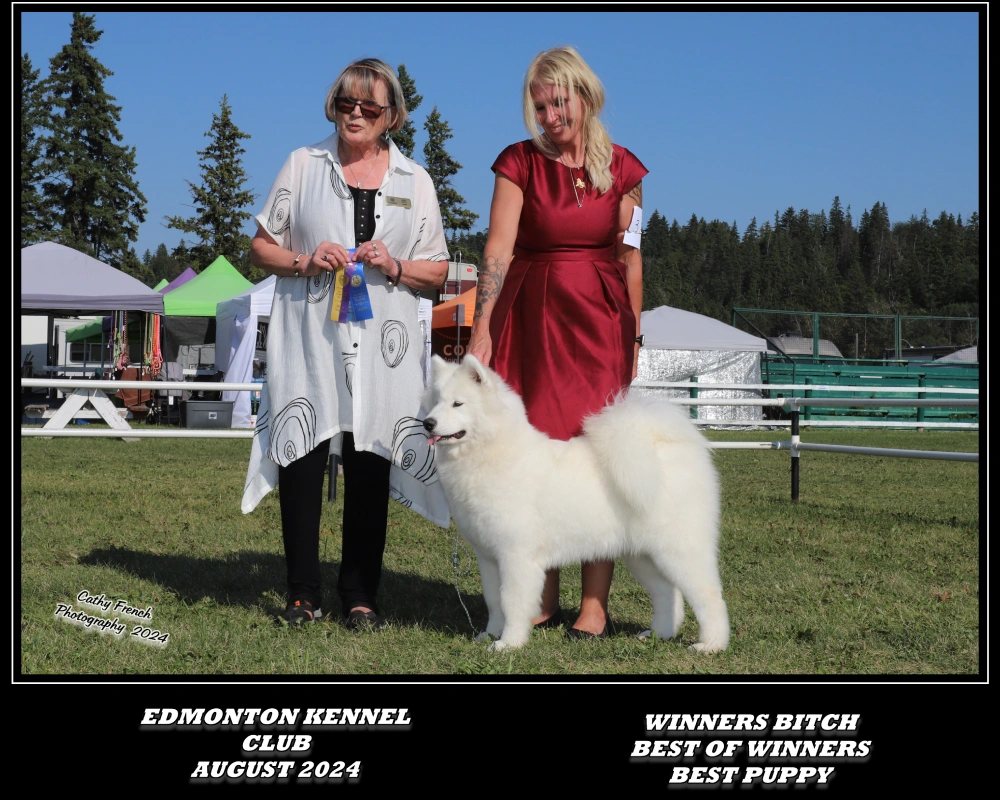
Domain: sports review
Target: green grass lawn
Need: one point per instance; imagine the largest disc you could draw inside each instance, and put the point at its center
(874, 571)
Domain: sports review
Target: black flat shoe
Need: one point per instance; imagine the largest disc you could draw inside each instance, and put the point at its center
(576, 634)
(358, 620)
(552, 622)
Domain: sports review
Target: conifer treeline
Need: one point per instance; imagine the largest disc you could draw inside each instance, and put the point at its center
(803, 261)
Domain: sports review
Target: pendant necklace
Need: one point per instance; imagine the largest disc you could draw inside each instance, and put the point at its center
(577, 183)
(378, 152)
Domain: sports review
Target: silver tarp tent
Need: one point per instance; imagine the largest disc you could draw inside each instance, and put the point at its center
(682, 346)
(62, 280)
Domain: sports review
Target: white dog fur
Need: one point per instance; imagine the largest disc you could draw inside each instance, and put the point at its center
(639, 483)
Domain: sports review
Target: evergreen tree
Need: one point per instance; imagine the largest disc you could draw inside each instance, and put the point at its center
(220, 201)
(441, 166)
(749, 254)
(404, 136)
(182, 257)
(132, 265)
(90, 186)
(163, 266)
(840, 238)
(874, 235)
(969, 287)
(34, 222)
(470, 245)
(655, 248)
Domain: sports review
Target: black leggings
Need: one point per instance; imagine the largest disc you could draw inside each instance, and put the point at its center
(366, 512)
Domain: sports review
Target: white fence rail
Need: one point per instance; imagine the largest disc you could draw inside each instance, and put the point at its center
(93, 391)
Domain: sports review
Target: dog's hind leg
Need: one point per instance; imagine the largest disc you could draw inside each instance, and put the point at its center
(668, 604)
(489, 573)
(698, 579)
(520, 599)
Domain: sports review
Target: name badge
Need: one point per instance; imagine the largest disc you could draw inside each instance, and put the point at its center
(401, 202)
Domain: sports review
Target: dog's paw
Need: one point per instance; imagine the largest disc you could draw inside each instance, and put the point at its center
(703, 647)
(499, 645)
(485, 636)
(646, 634)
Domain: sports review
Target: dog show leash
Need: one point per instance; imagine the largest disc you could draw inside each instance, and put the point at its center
(454, 561)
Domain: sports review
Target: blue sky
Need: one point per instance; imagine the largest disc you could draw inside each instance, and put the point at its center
(736, 115)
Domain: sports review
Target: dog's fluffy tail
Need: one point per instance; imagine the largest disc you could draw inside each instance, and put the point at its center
(625, 437)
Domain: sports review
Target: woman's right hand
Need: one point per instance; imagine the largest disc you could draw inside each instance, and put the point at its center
(480, 344)
(328, 257)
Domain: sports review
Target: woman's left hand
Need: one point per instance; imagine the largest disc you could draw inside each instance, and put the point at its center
(376, 255)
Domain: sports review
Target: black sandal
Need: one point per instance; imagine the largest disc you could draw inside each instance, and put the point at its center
(299, 612)
(577, 635)
(358, 620)
(552, 622)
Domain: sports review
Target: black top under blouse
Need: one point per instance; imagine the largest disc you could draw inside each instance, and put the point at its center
(364, 214)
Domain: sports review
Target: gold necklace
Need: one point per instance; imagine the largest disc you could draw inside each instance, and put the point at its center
(575, 182)
(378, 152)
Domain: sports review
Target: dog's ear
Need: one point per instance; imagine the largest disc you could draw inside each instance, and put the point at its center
(480, 372)
(441, 370)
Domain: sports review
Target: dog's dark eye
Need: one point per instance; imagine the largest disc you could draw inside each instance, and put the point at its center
(456, 404)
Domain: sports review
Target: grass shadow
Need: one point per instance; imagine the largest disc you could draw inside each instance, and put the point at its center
(246, 579)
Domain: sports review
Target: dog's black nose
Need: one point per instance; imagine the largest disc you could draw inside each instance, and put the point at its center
(429, 423)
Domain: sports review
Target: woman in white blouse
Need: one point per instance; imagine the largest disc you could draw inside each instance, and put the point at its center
(347, 379)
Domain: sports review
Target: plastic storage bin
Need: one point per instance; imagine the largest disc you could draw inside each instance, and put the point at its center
(207, 414)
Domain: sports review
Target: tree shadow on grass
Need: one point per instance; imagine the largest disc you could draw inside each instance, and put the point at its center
(241, 580)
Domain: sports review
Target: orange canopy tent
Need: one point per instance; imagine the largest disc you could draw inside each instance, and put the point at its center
(450, 331)
(443, 314)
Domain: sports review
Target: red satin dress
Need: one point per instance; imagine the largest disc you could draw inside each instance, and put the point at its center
(563, 329)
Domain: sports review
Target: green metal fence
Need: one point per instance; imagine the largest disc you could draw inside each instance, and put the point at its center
(878, 368)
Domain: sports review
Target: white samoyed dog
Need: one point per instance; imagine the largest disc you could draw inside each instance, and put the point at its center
(639, 483)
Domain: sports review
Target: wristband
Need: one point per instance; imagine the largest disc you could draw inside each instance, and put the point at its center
(399, 274)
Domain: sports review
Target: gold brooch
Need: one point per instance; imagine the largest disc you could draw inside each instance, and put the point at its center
(580, 184)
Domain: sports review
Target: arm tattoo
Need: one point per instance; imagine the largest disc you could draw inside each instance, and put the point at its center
(491, 277)
(636, 194)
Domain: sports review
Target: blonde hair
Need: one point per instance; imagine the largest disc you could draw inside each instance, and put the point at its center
(564, 67)
(361, 75)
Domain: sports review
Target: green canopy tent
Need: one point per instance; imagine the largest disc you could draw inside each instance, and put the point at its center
(189, 322)
(200, 296)
(160, 285)
(89, 331)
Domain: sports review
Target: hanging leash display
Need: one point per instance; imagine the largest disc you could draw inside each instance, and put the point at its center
(151, 349)
(119, 335)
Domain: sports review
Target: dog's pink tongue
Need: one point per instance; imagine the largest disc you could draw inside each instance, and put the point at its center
(431, 440)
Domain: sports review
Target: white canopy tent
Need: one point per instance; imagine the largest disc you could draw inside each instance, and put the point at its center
(684, 346)
(236, 321)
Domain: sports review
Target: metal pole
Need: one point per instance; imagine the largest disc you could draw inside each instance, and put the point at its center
(795, 453)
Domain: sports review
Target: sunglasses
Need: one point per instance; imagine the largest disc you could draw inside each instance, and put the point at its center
(369, 108)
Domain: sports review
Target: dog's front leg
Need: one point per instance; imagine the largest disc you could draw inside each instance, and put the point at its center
(489, 573)
(521, 585)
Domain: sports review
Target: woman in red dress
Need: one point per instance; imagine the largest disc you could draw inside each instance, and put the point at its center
(559, 292)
